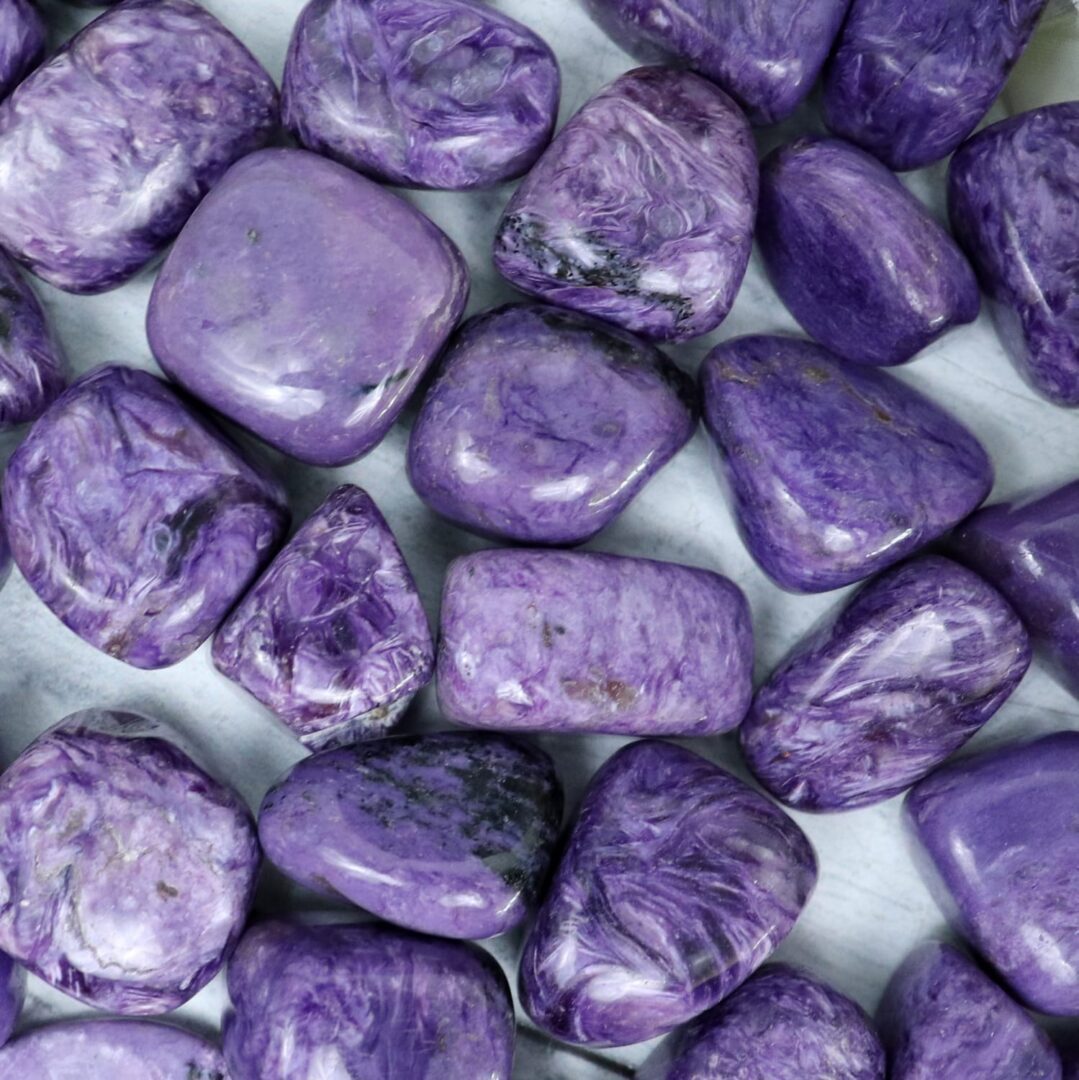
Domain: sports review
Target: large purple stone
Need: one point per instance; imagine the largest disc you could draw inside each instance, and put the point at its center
(12, 995)
(677, 882)
(641, 210)
(22, 42)
(544, 424)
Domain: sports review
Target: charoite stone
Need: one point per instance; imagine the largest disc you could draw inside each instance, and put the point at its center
(134, 520)
(856, 258)
(449, 833)
(573, 641)
(1012, 193)
(641, 211)
(835, 470)
(677, 882)
(909, 82)
(108, 147)
(544, 424)
(305, 303)
(333, 637)
(22, 42)
(781, 1024)
(365, 1001)
(429, 93)
(1003, 852)
(943, 1019)
(126, 871)
(884, 691)
(12, 994)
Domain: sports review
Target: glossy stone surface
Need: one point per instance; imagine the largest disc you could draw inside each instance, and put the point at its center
(429, 93)
(22, 42)
(12, 993)
(358, 1001)
(134, 520)
(563, 641)
(909, 82)
(835, 470)
(544, 424)
(781, 1024)
(126, 871)
(999, 833)
(857, 259)
(884, 691)
(677, 882)
(305, 302)
(449, 833)
(943, 1019)
(1012, 193)
(107, 148)
(333, 637)
(641, 210)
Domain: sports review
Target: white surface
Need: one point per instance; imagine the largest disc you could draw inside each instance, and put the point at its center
(869, 908)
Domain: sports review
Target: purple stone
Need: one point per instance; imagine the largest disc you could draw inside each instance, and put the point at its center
(450, 834)
(365, 1001)
(944, 1020)
(133, 520)
(1012, 194)
(126, 872)
(641, 211)
(247, 312)
(428, 93)
(910, 81)
(835, 470)
(333, 637)
(782, 1024)
(899, 678)
(1003, 853)
(572, 641)
(677, 882)
(544, 424)
(12, 994)
(108, 147)
(22, 42)
(858, 261)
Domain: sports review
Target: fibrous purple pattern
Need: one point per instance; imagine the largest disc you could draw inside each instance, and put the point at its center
(22, 42)
(677, 882)
(641, 210)
(12, 994)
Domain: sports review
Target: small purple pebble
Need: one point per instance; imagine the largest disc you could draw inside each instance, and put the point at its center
(22, 42)
(12, 995)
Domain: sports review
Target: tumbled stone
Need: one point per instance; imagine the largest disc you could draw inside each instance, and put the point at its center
(572, 641)
(333, 637)
(134, 520)
(429, 93)
(126, 871)
(22, 42)
(677, 882)
(1012, 193)
(12, 994)
(449, 833)
(858, 261)
(305, 303)
(365, 1001)
(641, 210)
(544, 424)
(835, 470)
(883, 692)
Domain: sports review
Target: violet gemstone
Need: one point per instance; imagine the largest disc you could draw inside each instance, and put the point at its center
(22, 42)
(428, 93)
(882, 693)
(1012, 196)
(126, 871)
(12, 994)
(544, 424)
(858, 261)
(909, 82)
(572, 641)
(999, 832)
(305, 303)
(108, 147)
(835, 470)
(943, 1019)
(781, 1024)
(365, 1001)
(448, 833)
(134, 520)
(641, 210)
(333, 637)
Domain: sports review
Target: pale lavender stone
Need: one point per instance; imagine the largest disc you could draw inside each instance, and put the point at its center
(22, 42)
(12, 995)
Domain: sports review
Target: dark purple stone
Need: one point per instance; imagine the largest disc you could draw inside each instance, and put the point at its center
(22, 42)
(12, 994)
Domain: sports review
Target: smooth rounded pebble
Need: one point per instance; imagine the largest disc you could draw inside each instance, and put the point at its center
(22, 42)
